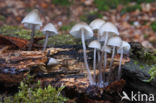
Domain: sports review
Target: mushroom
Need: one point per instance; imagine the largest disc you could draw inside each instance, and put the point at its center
(32, 21)
(95, 26)
(95, 45)
(108, 30)
(106, 50)
(52, 61)
(113, 42)
(48, 30)
(124, 49)
(83, 31)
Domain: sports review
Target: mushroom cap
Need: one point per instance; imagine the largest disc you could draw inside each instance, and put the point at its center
(96, 24)
(52, 61)
(115, 41)
(108, 27)
(106, 49)
(125, 46)
(94, 44)
(50, 29)
(32, 18)
(76, 30)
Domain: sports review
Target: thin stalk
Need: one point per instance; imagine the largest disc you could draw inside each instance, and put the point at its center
(94, 64)
(45, 42)
(85, 58)
(119, 69)
(32, 37)
(111, 63)
(105, 64)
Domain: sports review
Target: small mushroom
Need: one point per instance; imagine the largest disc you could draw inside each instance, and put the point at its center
(113, 42)
(124, 49)
(32, 21)
(108, 30)
(83, 31)
(95, 45)
(48, 30)
(52, 61)
(96, 25)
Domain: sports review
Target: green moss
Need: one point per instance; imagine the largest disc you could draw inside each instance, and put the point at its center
(104, 5)
(62, 40)
(153, 25)
(130, 8)
(32, 92)
(19, 32)
(67, 27)
(62, 2)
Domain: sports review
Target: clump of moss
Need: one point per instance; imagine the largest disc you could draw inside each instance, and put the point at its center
(131, 8)
(104, 5)
(153, 25)
(31, 92)
(65, 39)
(19, 32)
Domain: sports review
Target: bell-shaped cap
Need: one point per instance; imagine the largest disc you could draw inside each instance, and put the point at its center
(96, 24)
(32, 18)
(76, 30)
(52, 61)
(106, 49)
(115, 41)
(95, 44)
(108, 27)
(125, 46)
(50, 29)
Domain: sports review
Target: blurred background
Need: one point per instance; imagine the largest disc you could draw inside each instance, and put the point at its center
(135, 19)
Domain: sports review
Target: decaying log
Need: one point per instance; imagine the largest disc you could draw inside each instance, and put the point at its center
(15, 64)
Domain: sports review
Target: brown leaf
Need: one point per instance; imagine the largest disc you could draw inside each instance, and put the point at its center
(20, 43)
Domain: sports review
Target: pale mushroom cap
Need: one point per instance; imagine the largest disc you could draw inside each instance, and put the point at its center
(50, 29)
(125, 46)
(108, 27)
(106, 49)
(76, 30)
(115, 41)
(96, 24)
(52, 61)
(32, 18)
(94, 44)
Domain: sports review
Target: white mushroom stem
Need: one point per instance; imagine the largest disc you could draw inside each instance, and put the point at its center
(105, 64)
(85, 58)
(32, 37)
(119, 69)
(94, 64)
(106, 39)
(111, 63)
(100, 83)
(45, 42)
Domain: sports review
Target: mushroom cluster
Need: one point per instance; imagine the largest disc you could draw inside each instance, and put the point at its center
(32, 21)
(107, 41)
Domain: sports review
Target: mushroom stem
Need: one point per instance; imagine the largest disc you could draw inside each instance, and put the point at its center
(106, 39)
(85, 58)
(105, 64)
(119, 70)
(94, 64)
(100, 82)
(111, 63)
(32, 37)
(45, 42)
